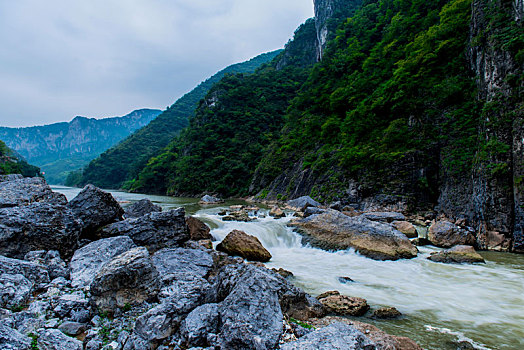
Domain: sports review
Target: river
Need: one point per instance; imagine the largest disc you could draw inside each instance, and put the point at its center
(442, 304)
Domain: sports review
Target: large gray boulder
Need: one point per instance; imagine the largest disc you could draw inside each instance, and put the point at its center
(446, 234)
(201, 326)
(11, 339)
(24, 191)
(35, 273)
(301, 203)
(141, 208)
(38, 226)
(128, 279)
(53, 339)
(252, 301)
(333, 230)
(155, 230)
(88, 260)
(337, 336)
(96, 208)
(15, 290)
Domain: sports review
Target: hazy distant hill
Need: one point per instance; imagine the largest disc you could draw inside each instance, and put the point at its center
(62, 147)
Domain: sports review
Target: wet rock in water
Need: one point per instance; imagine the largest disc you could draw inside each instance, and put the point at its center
(155, 230)
(339, 304)
(18, 191)
(15, 290)
(201, 326)
(382, 340)
(406, 228)
(276, 212)
(249, 247)
(35, 273)
(11, 339)
(88, 260)
(141, 208)
(96, 208)
(333, 230)
(72, 328)
(50, 259)
(446, 234)
(345, 280)
(38, 226)
(53, 339)
(337, 336)
(198, 230)
(386, 312)
(241, 215)
(384, 216)
(301, 203)
(460, 254)
(282, 272)
(421, 241)
(130, 278)
(252, 301)
(207, 199)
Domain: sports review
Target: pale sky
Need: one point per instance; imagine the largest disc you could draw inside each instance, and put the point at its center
(97, 58)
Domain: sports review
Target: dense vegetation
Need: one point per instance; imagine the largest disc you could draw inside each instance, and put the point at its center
(123, 162)
(12, 163)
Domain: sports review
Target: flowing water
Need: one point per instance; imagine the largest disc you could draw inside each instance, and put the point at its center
(442, 303)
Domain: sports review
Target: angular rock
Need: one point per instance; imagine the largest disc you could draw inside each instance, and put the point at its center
(339, 304)
(313, 211)
(249, 247)
(155, 230)
(384, 216)
(74, 307)
(130, 278)
(197, 229)
(11, 339)
(333, 230)
(72, 328)
(51, 259)
(38, 226)
(141, 208)
(35, 273)
(199, 325)
(24, 191)
(15, 290)
(53, 339)
(301, 203)
(337, 336)
(26, 322)
(460, 254)
(240, 215)
(276, 212)
(96, 208)
(88, 260)
(386, 312)
(207, 199)
(252, 302)
(446, 234)
(406, 228)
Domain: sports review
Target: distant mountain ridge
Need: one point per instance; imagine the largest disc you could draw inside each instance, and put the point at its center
(62, 147)
(116, 167)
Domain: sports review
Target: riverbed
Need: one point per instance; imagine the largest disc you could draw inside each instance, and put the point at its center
(442, 304)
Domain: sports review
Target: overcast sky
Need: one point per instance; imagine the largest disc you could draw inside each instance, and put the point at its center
(96, 58)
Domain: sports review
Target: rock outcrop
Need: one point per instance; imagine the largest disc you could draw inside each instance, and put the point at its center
(241, 244)
(446, 234)
(155, 230)
(333, 230)
(141, 208)
(16, 191)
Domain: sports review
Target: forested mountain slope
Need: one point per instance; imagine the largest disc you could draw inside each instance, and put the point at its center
(13, 163)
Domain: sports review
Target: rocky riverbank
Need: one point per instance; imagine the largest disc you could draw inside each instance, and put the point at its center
(87, 274)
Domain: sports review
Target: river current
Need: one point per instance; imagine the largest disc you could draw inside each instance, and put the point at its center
(442, 304)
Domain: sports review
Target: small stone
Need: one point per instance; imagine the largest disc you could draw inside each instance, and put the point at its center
(460, 254)
(386, 312)
(276, 212)
(406, 228)
(282, 272)
(345, 280)
(72, 328)
(343, 305)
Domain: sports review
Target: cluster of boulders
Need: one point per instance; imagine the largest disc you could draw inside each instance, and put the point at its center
(87, 274)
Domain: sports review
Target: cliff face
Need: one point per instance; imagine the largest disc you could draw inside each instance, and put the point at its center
(328, 14)
(73, 143)
(497, 201)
